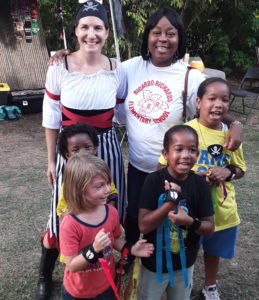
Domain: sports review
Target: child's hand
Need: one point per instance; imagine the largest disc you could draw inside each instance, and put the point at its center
(142, 249)
(206, 176)
(180, 217)
(201, 173)
(219, 174)
(209, 181)
(101, 241)
(172, 185)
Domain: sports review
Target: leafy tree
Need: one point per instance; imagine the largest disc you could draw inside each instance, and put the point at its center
(48, 10)
(135, 13)
(227, 34)
(223, 33)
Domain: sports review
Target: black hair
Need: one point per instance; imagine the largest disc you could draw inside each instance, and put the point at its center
(203, 86)
(174, 18)
(72, 130)
(175, 129)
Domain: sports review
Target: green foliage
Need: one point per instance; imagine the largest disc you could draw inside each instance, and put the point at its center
(223, 33)
(222, 49)
(136, 14)
(226, 35)
(47, 12)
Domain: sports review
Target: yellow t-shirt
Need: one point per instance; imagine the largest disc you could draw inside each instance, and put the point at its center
(62, 207)
(226, 210)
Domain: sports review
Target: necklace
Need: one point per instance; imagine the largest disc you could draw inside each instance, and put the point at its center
(214, 150)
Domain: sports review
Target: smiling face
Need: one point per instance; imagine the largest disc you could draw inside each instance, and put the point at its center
(97, 191)
(214, 105)
(80, 143)
(163, 42)
(182, 154)
(91, 34)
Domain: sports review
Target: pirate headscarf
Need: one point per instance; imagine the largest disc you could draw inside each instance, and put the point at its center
(91, 9)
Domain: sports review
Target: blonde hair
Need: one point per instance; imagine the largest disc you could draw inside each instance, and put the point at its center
(79, 172)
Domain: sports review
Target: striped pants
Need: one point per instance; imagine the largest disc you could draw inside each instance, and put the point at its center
(109, 150)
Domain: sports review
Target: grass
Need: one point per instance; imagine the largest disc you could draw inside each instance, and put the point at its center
(25, 202)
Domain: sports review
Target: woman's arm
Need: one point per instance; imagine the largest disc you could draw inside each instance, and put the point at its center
(51, 140)
(59, 55)
(51, 117)
(235, 135)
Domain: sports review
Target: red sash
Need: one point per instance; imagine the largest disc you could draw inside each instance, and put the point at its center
(103, 120)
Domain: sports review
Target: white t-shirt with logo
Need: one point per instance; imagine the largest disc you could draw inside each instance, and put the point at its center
(154, 104)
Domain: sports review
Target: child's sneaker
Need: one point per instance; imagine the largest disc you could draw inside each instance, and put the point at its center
(210, 293)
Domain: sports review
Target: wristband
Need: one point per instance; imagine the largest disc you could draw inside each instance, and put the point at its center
(174, 196)
(195, 225)
(233, 172)
(90, 254)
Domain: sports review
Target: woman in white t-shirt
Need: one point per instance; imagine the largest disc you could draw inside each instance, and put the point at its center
(154, 102)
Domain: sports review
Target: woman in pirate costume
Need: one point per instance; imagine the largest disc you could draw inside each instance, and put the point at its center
(83, 89)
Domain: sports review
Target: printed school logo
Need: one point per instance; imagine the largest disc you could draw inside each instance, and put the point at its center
(151, 104)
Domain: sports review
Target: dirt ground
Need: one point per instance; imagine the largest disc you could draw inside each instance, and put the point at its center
(25, 202)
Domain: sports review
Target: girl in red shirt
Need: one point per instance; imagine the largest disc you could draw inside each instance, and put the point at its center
(91, 230)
